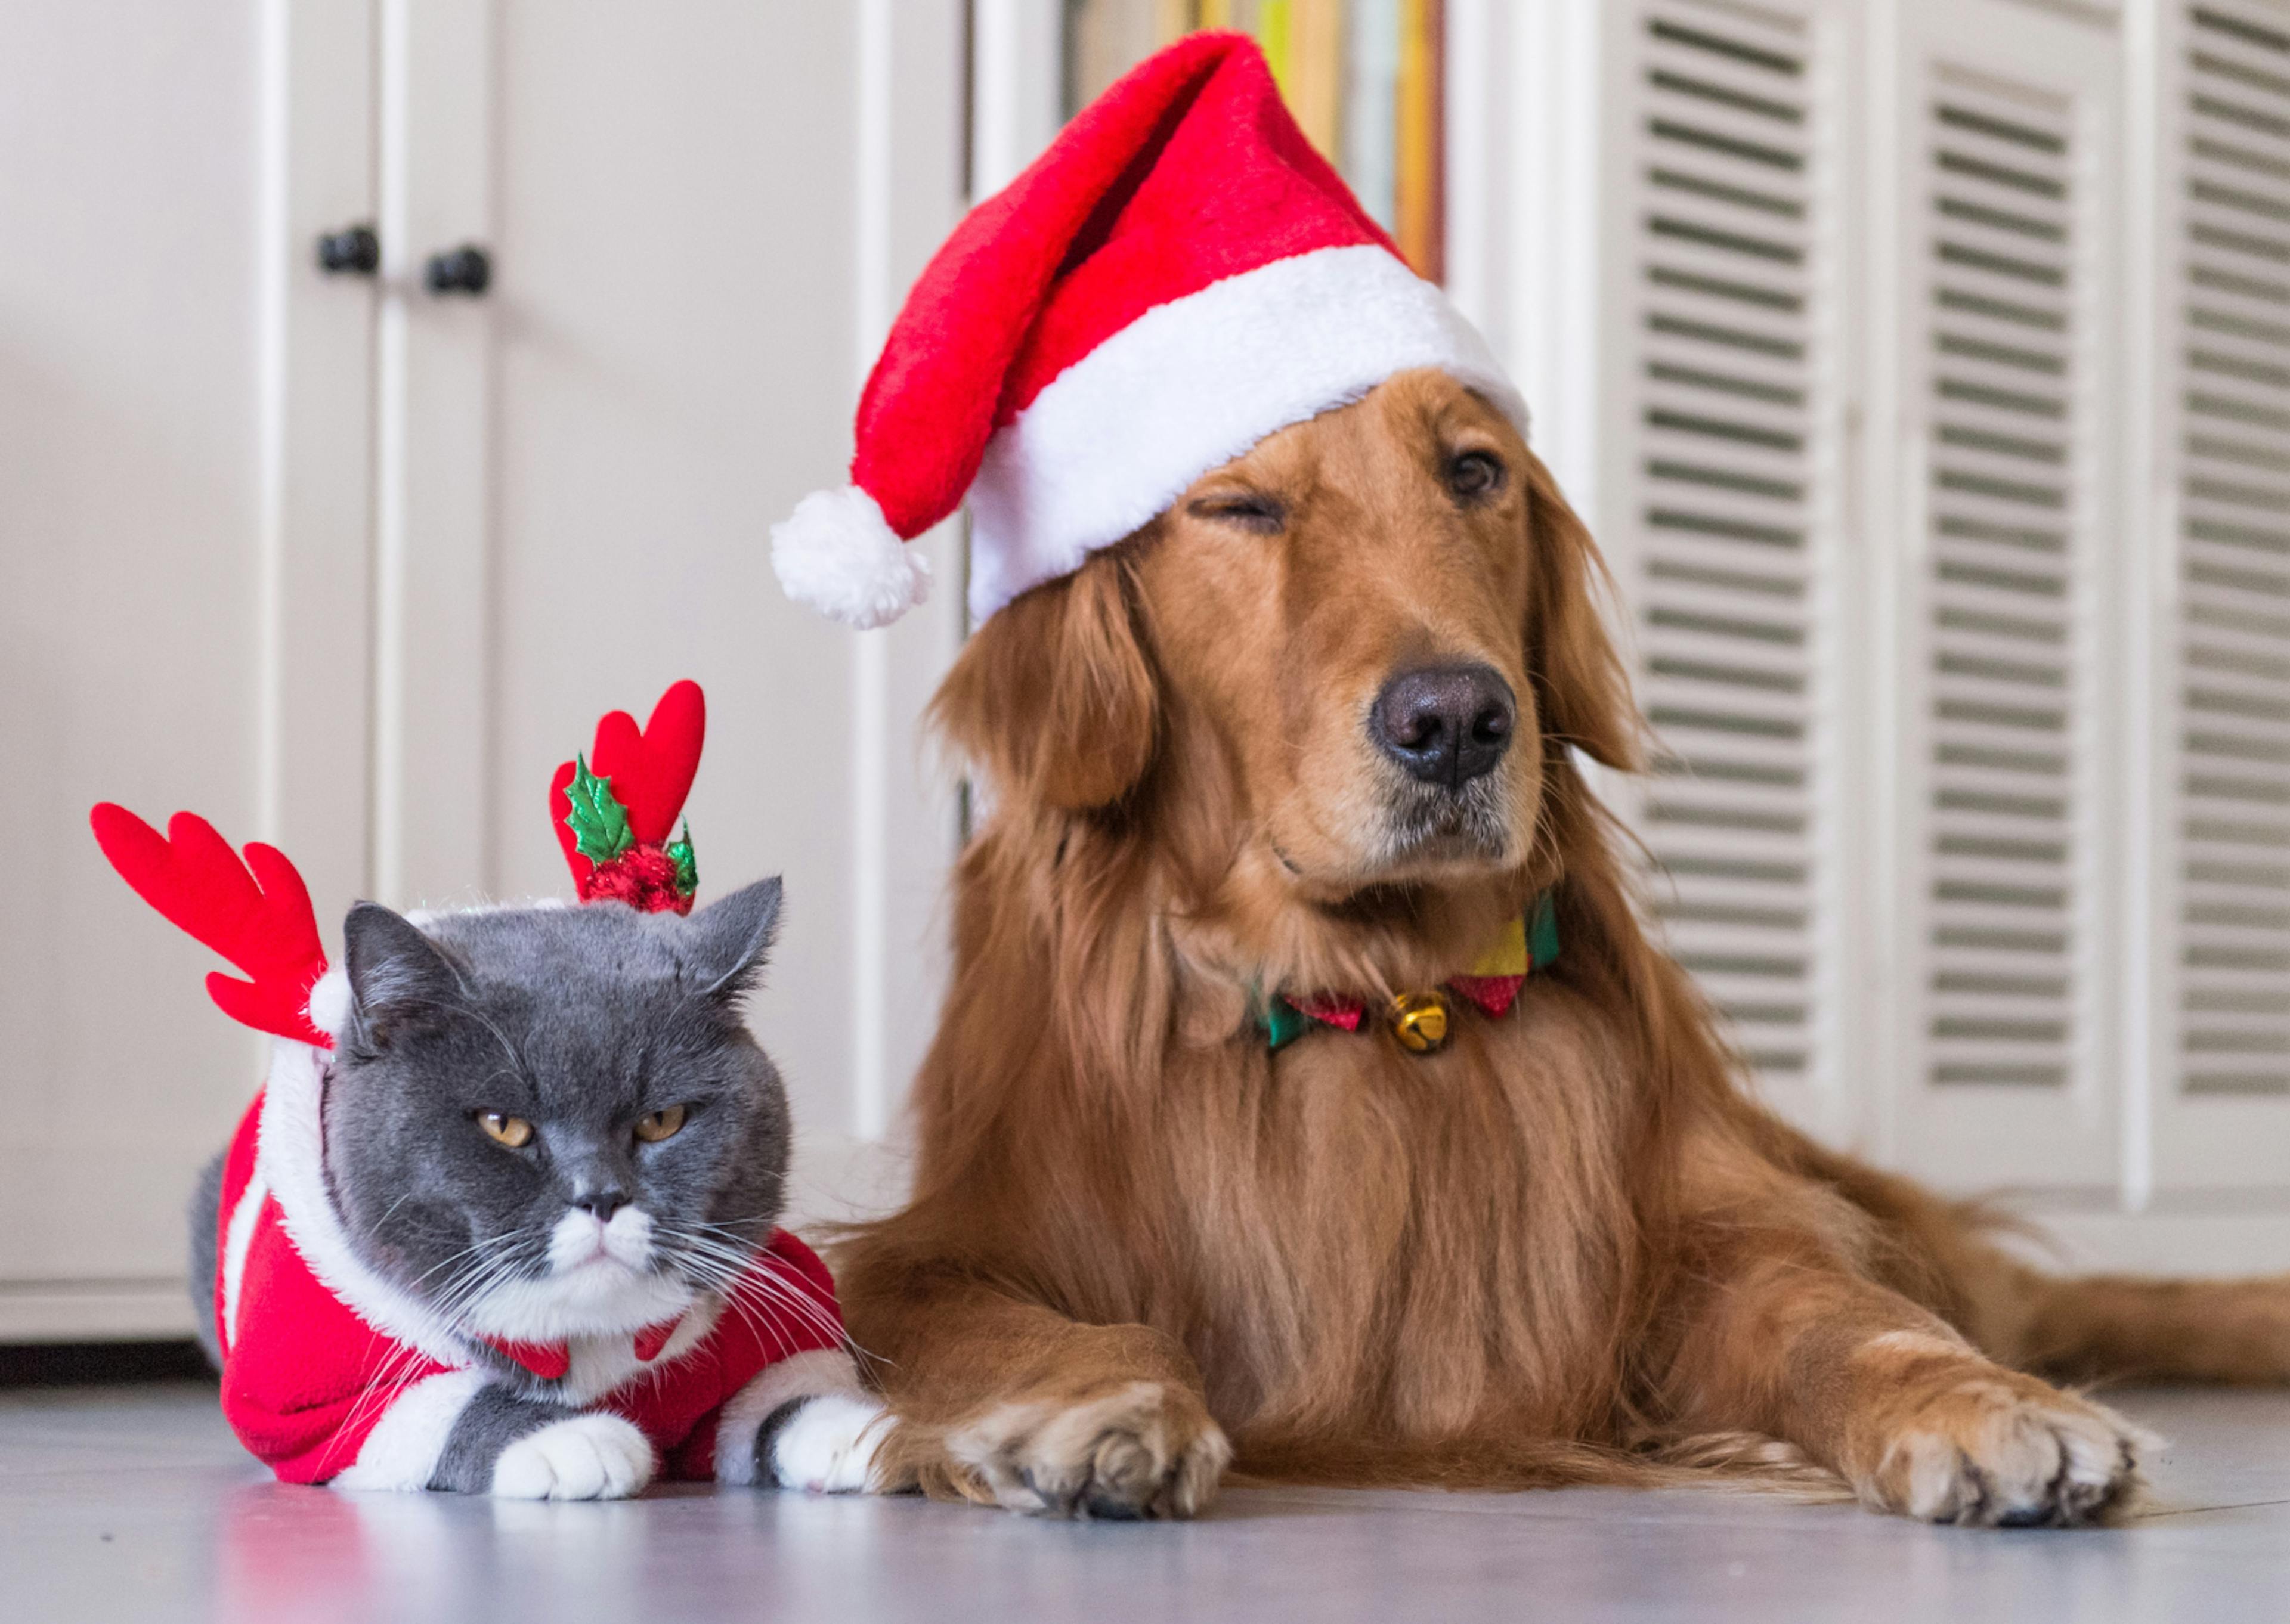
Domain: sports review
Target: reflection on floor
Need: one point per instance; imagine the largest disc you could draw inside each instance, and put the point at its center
(135, 1504)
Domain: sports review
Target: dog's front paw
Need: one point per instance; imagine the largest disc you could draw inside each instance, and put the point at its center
(589, 1457)
(1992, 1448)
(825, 1445)
(1143, 1450)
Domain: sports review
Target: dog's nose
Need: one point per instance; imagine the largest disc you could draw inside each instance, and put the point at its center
(1446, 724)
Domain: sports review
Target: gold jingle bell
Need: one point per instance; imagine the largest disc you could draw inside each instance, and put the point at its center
(1422, 1021)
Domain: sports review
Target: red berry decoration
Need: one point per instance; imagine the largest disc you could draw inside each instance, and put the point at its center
(613, 821)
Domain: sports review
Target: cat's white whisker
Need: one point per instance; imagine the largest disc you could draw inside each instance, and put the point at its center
(485, 1246)
(753, 1281)
(729, 1273)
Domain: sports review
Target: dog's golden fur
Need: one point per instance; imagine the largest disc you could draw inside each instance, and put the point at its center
(1569, 1248)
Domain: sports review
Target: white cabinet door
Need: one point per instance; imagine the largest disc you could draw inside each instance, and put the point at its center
(2220, 600)
(183, 524)
(1999, 169)
(350, 566)
(699, 217)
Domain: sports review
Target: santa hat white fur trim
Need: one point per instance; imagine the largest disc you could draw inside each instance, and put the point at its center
(1191, 384)
(835, 553)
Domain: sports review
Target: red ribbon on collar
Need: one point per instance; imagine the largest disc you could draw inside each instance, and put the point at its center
(1493, 993)
(1528, 943)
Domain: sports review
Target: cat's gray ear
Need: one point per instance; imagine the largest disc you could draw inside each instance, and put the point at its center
(395, 973)
(725, 944)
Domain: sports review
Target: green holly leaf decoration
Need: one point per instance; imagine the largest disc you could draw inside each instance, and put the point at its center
(687, 870)
(599, 822)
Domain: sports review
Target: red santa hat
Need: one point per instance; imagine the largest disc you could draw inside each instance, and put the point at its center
(1179, 276)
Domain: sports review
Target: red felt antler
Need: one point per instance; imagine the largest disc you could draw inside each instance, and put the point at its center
(649, 772)
(256, 913)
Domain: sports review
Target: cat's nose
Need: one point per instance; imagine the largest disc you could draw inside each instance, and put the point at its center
(602, 1203)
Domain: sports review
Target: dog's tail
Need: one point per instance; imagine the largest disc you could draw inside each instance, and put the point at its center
(1967, 1262)
(2133, 1327)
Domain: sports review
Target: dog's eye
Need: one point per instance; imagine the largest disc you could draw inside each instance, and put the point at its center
(1252, 512)
(1475, 475)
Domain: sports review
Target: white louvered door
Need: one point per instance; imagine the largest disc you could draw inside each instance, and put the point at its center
(1725, 509)
(2222, 1092)
(1941, 393)
(2005, 1041)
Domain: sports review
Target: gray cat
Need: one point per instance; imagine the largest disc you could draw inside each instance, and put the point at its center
(514, 1234)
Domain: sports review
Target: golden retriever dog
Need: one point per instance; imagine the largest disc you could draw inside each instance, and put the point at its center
(1314, 728)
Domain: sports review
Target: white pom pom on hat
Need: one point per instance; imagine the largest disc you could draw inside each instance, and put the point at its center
(1178, 277)
(835, 553)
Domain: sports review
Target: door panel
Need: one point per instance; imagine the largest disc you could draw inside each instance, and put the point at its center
(679, 208)
(2006, 1063)
(1726, 513)
(131, 627)
(2221, 979)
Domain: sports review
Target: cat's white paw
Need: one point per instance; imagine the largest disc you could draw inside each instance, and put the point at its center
(828, 1446)
(590, 1457)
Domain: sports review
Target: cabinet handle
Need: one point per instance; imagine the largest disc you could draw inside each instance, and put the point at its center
(465, 269)
(354, 250)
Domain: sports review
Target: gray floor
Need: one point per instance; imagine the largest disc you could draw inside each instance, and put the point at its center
(135, 1504)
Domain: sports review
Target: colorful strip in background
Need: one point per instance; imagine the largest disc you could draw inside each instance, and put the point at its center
(1364, 78)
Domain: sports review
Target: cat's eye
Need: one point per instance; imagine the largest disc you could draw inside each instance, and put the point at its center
(1475, 475)
(514, 1132)
(660, 1124)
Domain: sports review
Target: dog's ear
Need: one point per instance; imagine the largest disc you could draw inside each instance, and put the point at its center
(1055, 695)
(1580, 683)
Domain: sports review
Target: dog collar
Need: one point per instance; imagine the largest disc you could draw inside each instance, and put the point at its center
(1423, 1022)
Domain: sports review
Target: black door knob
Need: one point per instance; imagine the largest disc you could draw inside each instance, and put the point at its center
(465, 269)
(354, 250)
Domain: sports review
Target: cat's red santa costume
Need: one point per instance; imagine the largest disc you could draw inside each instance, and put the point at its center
(331, 1373)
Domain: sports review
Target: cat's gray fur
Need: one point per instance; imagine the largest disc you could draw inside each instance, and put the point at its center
(579, 1021)
(206, 1216)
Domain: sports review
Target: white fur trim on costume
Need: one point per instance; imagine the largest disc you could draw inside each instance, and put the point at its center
(803, 1375)
(1191, 384)
(835, 553)
(238, 1240)
(290, 1157)
(329, 1002)
(403, 1449)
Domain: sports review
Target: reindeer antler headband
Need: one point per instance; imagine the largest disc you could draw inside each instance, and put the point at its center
(256, 913)
(613, 810)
